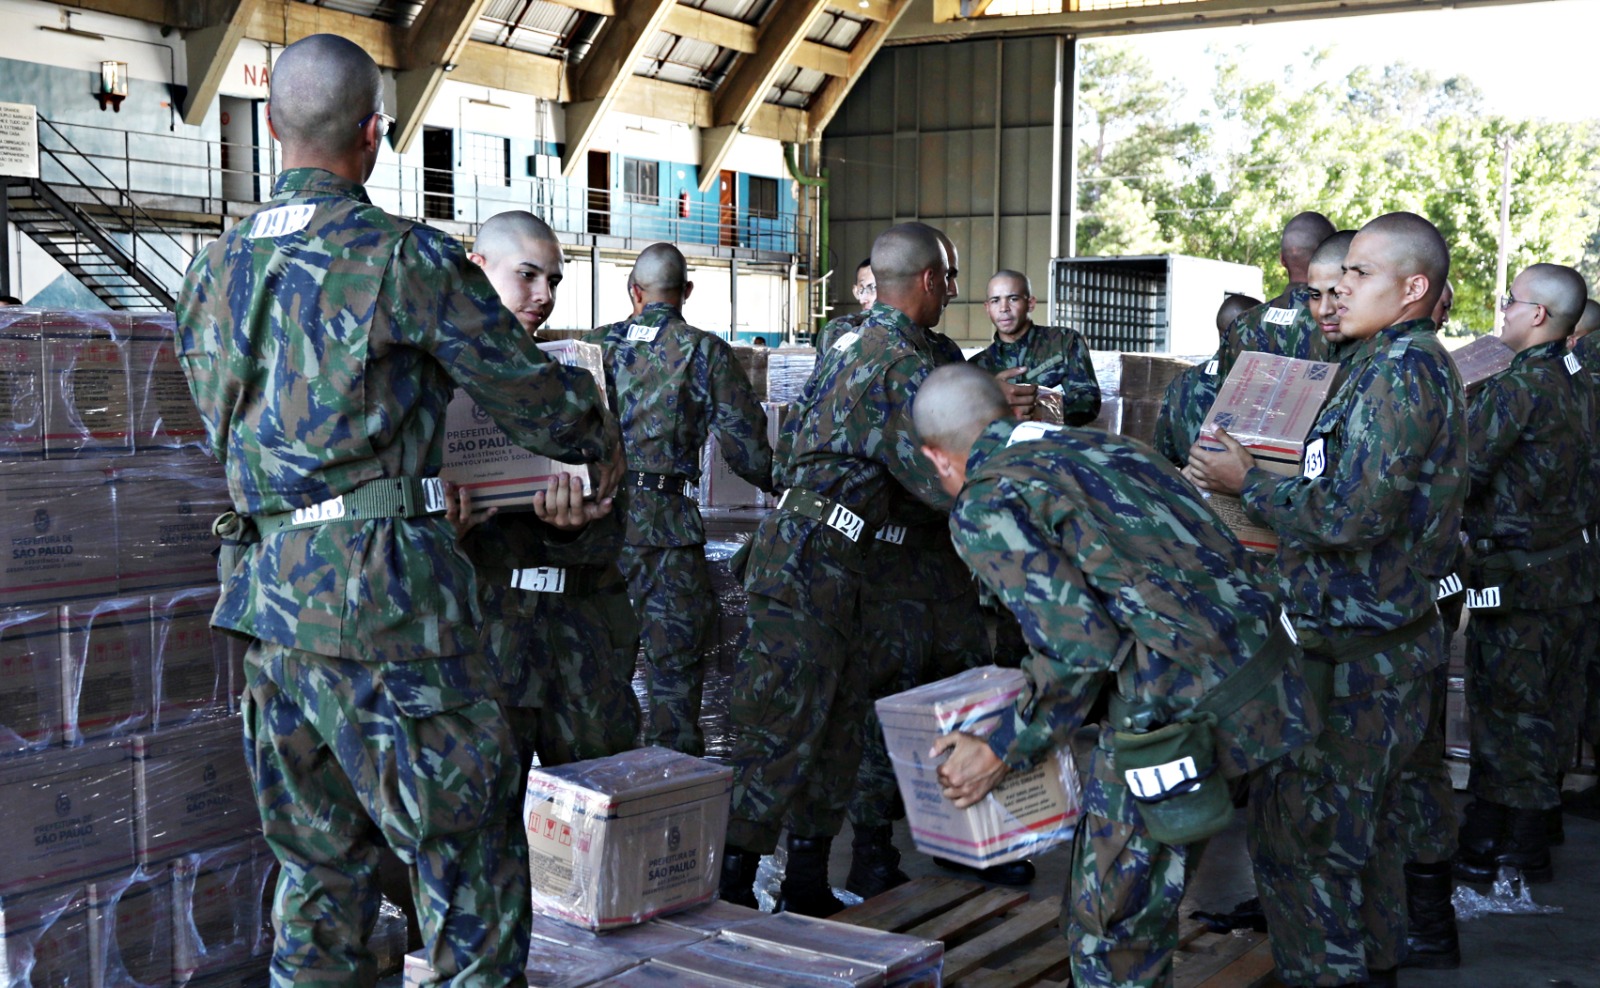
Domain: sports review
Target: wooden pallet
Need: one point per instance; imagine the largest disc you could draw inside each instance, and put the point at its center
(1001, 938)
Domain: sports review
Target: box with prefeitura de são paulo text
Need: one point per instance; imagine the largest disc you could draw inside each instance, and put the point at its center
(615, 841)
(69, 814)
(1268, 404)
(1030, 811)
(481, 458)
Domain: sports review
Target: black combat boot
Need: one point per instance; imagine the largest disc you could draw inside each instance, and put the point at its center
(805, 879)
(1482, 833)
(874, 862)
(1013, 873)
(739, 876)
(1555, 827)
(1528, 847)
(1431, 941)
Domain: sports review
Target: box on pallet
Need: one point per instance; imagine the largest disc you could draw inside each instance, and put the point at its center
(192, 789)
(86, 400)
(761, 965)
(638, 943)
(904, 961)
(44, 938)
(1268, 403)
(1031, 811)
(165, 506)
(720, 487)
(217, 897)
(614, 841)
(550, 965)
(69, 812)
(130, 929)
(481, 458)
(105, 668)
(714, 917)
(30, 678)
(21, 385)
(189, 669)
(60, 542)
(164, 413)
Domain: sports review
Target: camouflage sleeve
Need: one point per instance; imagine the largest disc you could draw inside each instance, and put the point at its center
(1080, 389)
(1495, 420)
(985, 360)
(1072, 640)
(1169, 423)
(1362, 497)
(737, 419)
(893, 392)
(448, 309)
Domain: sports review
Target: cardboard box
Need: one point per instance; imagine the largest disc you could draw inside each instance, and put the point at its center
(1480, 360)
(217, 909)
(44, 938)
(30, 679)
(105, 668)
(550, 965)
(192, 789)
(615, 841)
(1109, 418)
(21, 385)
(86, 398)
(762, 965)
(1139, 417)
(1146, 375)
(165, 507)
(130, 930)
(164, 412)
(904, 961)
(720, 487)
(788, 370)
(69, 814)
(479, 456)
(635, 943)
(56, 520)
(1251, 534)
(1030, 812)
(189, 662)
(1457, 721)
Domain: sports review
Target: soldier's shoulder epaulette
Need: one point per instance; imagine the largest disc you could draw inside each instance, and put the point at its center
(1398, 348)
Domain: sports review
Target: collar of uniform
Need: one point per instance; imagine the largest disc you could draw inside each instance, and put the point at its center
(1549, 350)
(298, 182)
(655, 312)
(1381, 339)
(892, 318)
(1298, 294)
(991, 439)
(1020, 341)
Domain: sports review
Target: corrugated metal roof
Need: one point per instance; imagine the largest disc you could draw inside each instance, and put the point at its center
(749, 11)
(401, 12)
(536, 26)
(836, 29)
(795, 87)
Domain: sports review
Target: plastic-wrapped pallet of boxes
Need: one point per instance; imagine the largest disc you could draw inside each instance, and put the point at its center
(136, 857)
(1029, 812)
(788, 370)
(1108, 374)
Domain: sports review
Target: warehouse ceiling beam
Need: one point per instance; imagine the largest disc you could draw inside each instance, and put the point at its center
(208, 47)
(873, 10)
(605, 70)
(432, 47)
(827, 100)
(734, 35)
(745, 89)
(605, 8)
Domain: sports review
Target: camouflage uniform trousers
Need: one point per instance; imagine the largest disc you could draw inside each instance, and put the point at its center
(1585, 712)
(908, 643)
(798, 696)
(343, 759)
(1325, 837)
(671, 590)
(1428, 817)
(1522, 670)
(567, 665)
(1120, 914)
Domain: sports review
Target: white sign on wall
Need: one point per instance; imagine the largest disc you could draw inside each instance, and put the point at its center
(19, 140)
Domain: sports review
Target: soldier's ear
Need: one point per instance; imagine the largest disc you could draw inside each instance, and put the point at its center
(477, 258)
(688, 289)
(1416, 287)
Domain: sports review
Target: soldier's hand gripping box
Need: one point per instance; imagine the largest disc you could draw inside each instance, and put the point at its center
(68, 816)
(1268, 404)
(905, 961)
(192, 789)
(44, 938)
(615, 841)
(480, 457)
(1029, 812)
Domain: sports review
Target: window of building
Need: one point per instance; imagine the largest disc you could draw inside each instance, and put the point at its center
(764, 197)
(489, 158)
(641, 181)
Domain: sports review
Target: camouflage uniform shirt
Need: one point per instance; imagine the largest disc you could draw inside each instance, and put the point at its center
(1071, 370)
(1284, 326)
(322, 339)
(1183, 409)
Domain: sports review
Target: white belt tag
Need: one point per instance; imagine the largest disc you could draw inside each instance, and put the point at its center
(540, 579)
(1288, 625)
(1029, 431)
(433, 500)
(1450, 586)
(642, 334)
(1278, 317)
(329, 510)
(846, 341)
(1212, 367)
(282, 221)
(846, 522)
(1316, 459)
(1158, 780)
(892, 534)
(1574, 365)
(1482, 599)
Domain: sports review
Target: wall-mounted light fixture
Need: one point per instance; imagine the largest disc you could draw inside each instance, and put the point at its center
(113, 85)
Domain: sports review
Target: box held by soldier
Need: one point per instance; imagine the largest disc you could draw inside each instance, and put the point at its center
(788, 370)
(753, 361)
(217, 899)
(1268, 404)
(906, 961)
(130, 929)
(1480, 360)
(720, 487)
(189, 661)
(480, 457)
(615, 841)
(754, 963)
(165, 507)
(1030, 811)
(105, 668)
(68, 814)
(44, 937)
(57, 522)
(164, 413)
(87, 404)
(192, 789)
(30, 679)
(21, 385)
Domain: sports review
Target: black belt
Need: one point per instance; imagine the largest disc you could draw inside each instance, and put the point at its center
(830, 512)
(1357, 647)
(575, 581)
(915, 536)
(664, 483)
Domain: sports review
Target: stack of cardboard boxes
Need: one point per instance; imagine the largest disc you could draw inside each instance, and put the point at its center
(136, 856)
(776, 377)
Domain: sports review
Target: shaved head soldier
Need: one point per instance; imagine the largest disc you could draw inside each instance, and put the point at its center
(1190, 395)
(1587, 323)
(1027, 357)
(1283, 325)
(1365, 534)
(522, 259)
(675, 387)
(1323, 274)
(865, 289)
(1106, 554)
(1586, 703)
(1529, 574)
(322, 338)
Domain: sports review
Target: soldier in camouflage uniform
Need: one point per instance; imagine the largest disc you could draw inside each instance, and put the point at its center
(1026, 356)
(800, 691)
(1585, 712)
(1129, 589)
(1365, 532)
(1192, 393)
(672, 386)
(1283, 325)
(322, 338)
(555, 602)
(1528, 574)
